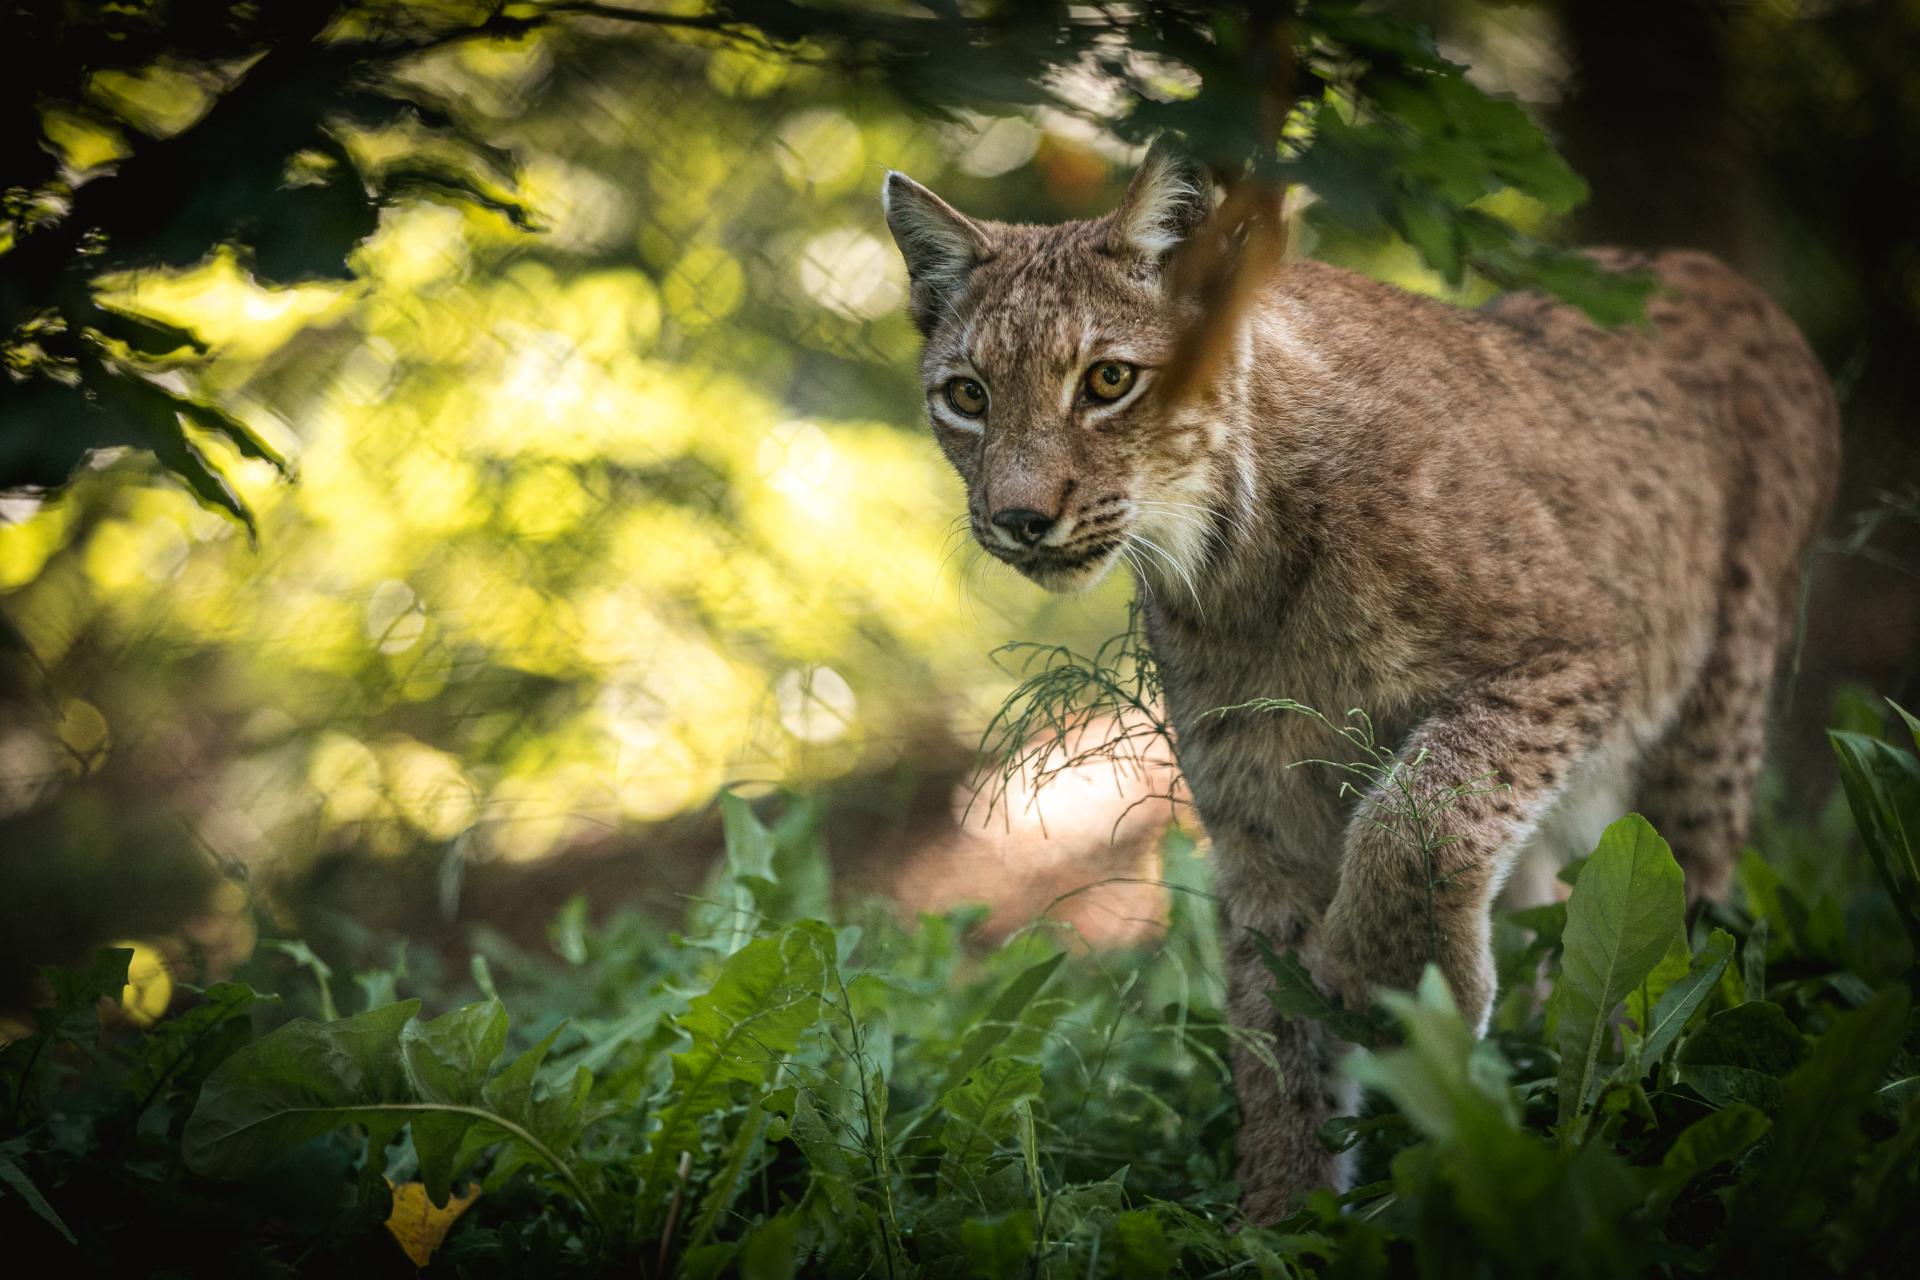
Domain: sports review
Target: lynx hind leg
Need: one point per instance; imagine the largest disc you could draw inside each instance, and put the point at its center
(1697, 784)
(1281, 1157)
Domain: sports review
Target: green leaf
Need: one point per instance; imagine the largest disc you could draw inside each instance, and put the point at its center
(1886, 1190)
(1753, 960)
(1296, 995)
(1714, 1139)
(981, 1112)
(1449, 1083)
(1740, 1055)
(447, 1061)
(767, 996)
(742, 900)
(305, 956)
(180, 1049)
(1673, 966)
(770, 1251)
(998, 1248)
(71, 1016)
(1817, 1133)
(296, 1083)
(1883, 791)
(14, 1178)
(381, 1070)
(724, 1186)
(1679, 1002)
(1912, 721)
(1000, 1019)
(1624, 914)
(1141, 1246)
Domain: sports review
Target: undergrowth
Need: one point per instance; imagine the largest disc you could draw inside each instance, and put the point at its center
(783, 1087)
(1070, 710)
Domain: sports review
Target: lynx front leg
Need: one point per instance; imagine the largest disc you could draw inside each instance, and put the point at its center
(1281, 1157)
(1427, 849)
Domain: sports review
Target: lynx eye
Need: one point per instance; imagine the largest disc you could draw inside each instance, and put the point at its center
(967, 397)
(1109, 380)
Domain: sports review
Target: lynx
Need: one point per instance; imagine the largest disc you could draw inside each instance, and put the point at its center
(1537, 552)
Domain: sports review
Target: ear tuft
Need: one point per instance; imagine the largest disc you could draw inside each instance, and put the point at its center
(940, 244)
(1170, 196)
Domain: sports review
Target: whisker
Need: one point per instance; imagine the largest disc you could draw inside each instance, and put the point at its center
(1173, 564)
(1233, 519)
(1139, 570)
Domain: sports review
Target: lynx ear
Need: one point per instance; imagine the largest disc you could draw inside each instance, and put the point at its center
(1170, 196)
(941, 246)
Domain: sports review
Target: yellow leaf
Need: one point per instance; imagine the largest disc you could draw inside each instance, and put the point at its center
(149, 988)
(418, 1225)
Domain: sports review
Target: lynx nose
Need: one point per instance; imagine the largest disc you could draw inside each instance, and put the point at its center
(1025, 524)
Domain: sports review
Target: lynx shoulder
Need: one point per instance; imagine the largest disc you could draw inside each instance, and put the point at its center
(1555, 565)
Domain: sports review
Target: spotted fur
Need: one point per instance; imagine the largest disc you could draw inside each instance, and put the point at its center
(1534, 551)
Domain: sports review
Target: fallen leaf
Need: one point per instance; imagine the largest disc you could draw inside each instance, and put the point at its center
(418, 1225)
(149, 989)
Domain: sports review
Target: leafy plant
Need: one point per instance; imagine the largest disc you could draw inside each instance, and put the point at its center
(777, 1094)
(1883, 790)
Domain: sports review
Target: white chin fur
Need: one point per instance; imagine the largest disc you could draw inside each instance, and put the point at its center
(1078, 582)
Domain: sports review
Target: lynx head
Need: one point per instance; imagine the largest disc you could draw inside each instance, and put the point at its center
(1043, 349)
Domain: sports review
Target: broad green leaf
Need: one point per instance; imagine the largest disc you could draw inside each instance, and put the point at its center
(747, 871)
(447, 1061)
(724, 1186)
(802, 873)
(832, 1163)
(1514, 1203)
(511, 1091)
(1714, 1139)
(381, 1070)
(1624, 914)
(296, 1083)
(1740, 1055)
(449, 1058)
(766, 997)
(1548, 923)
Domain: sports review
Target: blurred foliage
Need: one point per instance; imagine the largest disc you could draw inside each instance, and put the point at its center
(150, 134)
(604, 494)
(774, 1092)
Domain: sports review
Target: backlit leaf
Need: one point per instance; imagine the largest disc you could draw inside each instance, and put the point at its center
(419, 1225)
(1624, 914)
